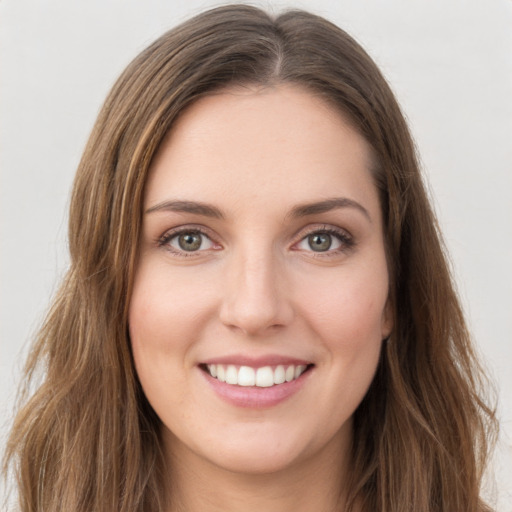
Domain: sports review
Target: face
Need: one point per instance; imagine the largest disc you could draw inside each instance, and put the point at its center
(260, 299)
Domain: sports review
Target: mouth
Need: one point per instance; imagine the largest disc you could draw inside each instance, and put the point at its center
(259, 377)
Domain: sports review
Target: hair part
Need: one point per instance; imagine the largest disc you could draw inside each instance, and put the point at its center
(87, 439)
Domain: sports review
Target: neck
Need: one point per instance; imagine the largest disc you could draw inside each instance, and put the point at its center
(311, 484)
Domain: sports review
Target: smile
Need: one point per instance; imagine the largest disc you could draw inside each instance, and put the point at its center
(262, 377)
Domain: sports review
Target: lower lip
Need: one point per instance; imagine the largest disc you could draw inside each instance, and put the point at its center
(255, 397)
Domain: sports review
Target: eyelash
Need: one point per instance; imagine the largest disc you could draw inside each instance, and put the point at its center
(165, 239)
(347, 242)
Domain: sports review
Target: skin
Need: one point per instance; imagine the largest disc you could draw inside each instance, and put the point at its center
(256, 287)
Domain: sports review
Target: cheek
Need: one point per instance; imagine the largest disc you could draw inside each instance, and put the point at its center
(165, 308)
(346, 317)
(347, 307)
(165, 317)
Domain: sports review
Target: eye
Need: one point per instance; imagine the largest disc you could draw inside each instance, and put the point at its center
(321, 242)
(325, 240)
(190, 240)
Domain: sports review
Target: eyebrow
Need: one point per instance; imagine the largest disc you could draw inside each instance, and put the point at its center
(327, 205)
(198, 208)
(303, 210)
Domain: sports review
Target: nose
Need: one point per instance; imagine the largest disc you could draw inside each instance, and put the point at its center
(256, 297)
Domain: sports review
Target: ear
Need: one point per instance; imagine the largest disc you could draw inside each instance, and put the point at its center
(388, 321)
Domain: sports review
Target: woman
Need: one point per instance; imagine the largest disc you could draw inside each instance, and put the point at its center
(258, 312)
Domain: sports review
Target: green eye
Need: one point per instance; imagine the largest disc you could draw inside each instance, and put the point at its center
(190, 241)
(327, 240)
(320, 242)
(184, 242)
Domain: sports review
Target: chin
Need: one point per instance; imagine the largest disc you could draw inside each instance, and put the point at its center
(261, 449)
(256, 460)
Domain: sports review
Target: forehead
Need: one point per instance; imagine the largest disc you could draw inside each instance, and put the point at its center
(275, 144)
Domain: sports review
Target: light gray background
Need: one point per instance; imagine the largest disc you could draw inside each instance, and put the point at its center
(449, 63)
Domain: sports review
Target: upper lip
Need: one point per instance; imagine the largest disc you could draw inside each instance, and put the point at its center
(256, 362)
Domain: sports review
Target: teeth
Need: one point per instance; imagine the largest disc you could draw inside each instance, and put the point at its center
(246, 376)
(221, 373)
(299, 370)
(263, 377)
(231, 375)
(279, 375)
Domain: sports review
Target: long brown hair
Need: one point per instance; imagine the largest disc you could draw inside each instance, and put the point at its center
(87, 439)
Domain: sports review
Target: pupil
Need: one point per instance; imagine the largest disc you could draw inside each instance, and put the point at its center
(189, 241)
(320, 242)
